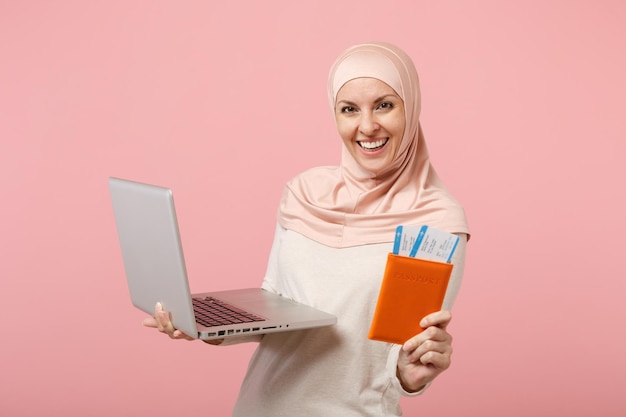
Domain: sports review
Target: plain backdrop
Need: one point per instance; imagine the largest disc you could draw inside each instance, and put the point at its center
(523, 111)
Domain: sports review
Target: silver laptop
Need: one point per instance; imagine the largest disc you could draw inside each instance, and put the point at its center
(155, 270)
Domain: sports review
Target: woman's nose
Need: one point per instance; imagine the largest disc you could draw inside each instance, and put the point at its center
(368, 125)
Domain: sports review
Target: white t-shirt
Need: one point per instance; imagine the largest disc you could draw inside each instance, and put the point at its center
(335, 370)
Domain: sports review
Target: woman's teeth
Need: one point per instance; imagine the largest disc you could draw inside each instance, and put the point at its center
(373, 145)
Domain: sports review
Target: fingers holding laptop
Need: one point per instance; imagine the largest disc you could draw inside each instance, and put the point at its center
(162, 321)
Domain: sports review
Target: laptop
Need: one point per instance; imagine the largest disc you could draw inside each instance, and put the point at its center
(155, 270)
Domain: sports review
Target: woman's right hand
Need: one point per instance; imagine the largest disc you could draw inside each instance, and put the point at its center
(162, 321)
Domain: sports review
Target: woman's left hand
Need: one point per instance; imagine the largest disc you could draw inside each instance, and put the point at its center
(426, 355)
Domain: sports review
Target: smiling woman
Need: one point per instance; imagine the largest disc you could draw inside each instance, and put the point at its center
(370, 120)
(335, 228)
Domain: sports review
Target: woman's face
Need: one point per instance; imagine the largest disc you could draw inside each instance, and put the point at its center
(370, 120)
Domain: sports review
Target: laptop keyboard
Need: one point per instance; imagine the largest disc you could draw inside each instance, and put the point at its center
(213, 312)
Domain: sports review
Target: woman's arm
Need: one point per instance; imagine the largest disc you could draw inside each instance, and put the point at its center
(423, 357)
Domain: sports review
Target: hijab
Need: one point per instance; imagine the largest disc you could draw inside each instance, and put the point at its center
(346, 205)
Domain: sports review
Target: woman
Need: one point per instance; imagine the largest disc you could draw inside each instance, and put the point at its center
(335, 228)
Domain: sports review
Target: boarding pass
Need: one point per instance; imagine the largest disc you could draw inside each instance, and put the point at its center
(425, 242)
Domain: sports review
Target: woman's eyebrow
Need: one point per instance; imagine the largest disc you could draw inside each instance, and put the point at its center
(386, 96)
(377, 100)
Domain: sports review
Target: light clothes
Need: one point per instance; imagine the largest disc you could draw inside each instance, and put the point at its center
(330, 371)
(335, 230)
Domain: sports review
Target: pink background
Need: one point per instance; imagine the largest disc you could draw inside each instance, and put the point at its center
(523, 110)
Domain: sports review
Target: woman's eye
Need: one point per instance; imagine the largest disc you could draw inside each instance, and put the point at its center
(347, 109)
(385, 105)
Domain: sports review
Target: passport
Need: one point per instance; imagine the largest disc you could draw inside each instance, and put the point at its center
(411, 289)
(414, 283)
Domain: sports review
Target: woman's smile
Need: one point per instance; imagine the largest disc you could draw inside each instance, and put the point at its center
(373, 145)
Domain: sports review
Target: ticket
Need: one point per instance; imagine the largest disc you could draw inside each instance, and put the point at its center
(406, 236)
(425, 242)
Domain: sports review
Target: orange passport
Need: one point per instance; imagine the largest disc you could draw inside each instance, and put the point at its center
(411, 289)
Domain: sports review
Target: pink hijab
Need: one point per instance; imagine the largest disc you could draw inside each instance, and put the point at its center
(347, 206)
